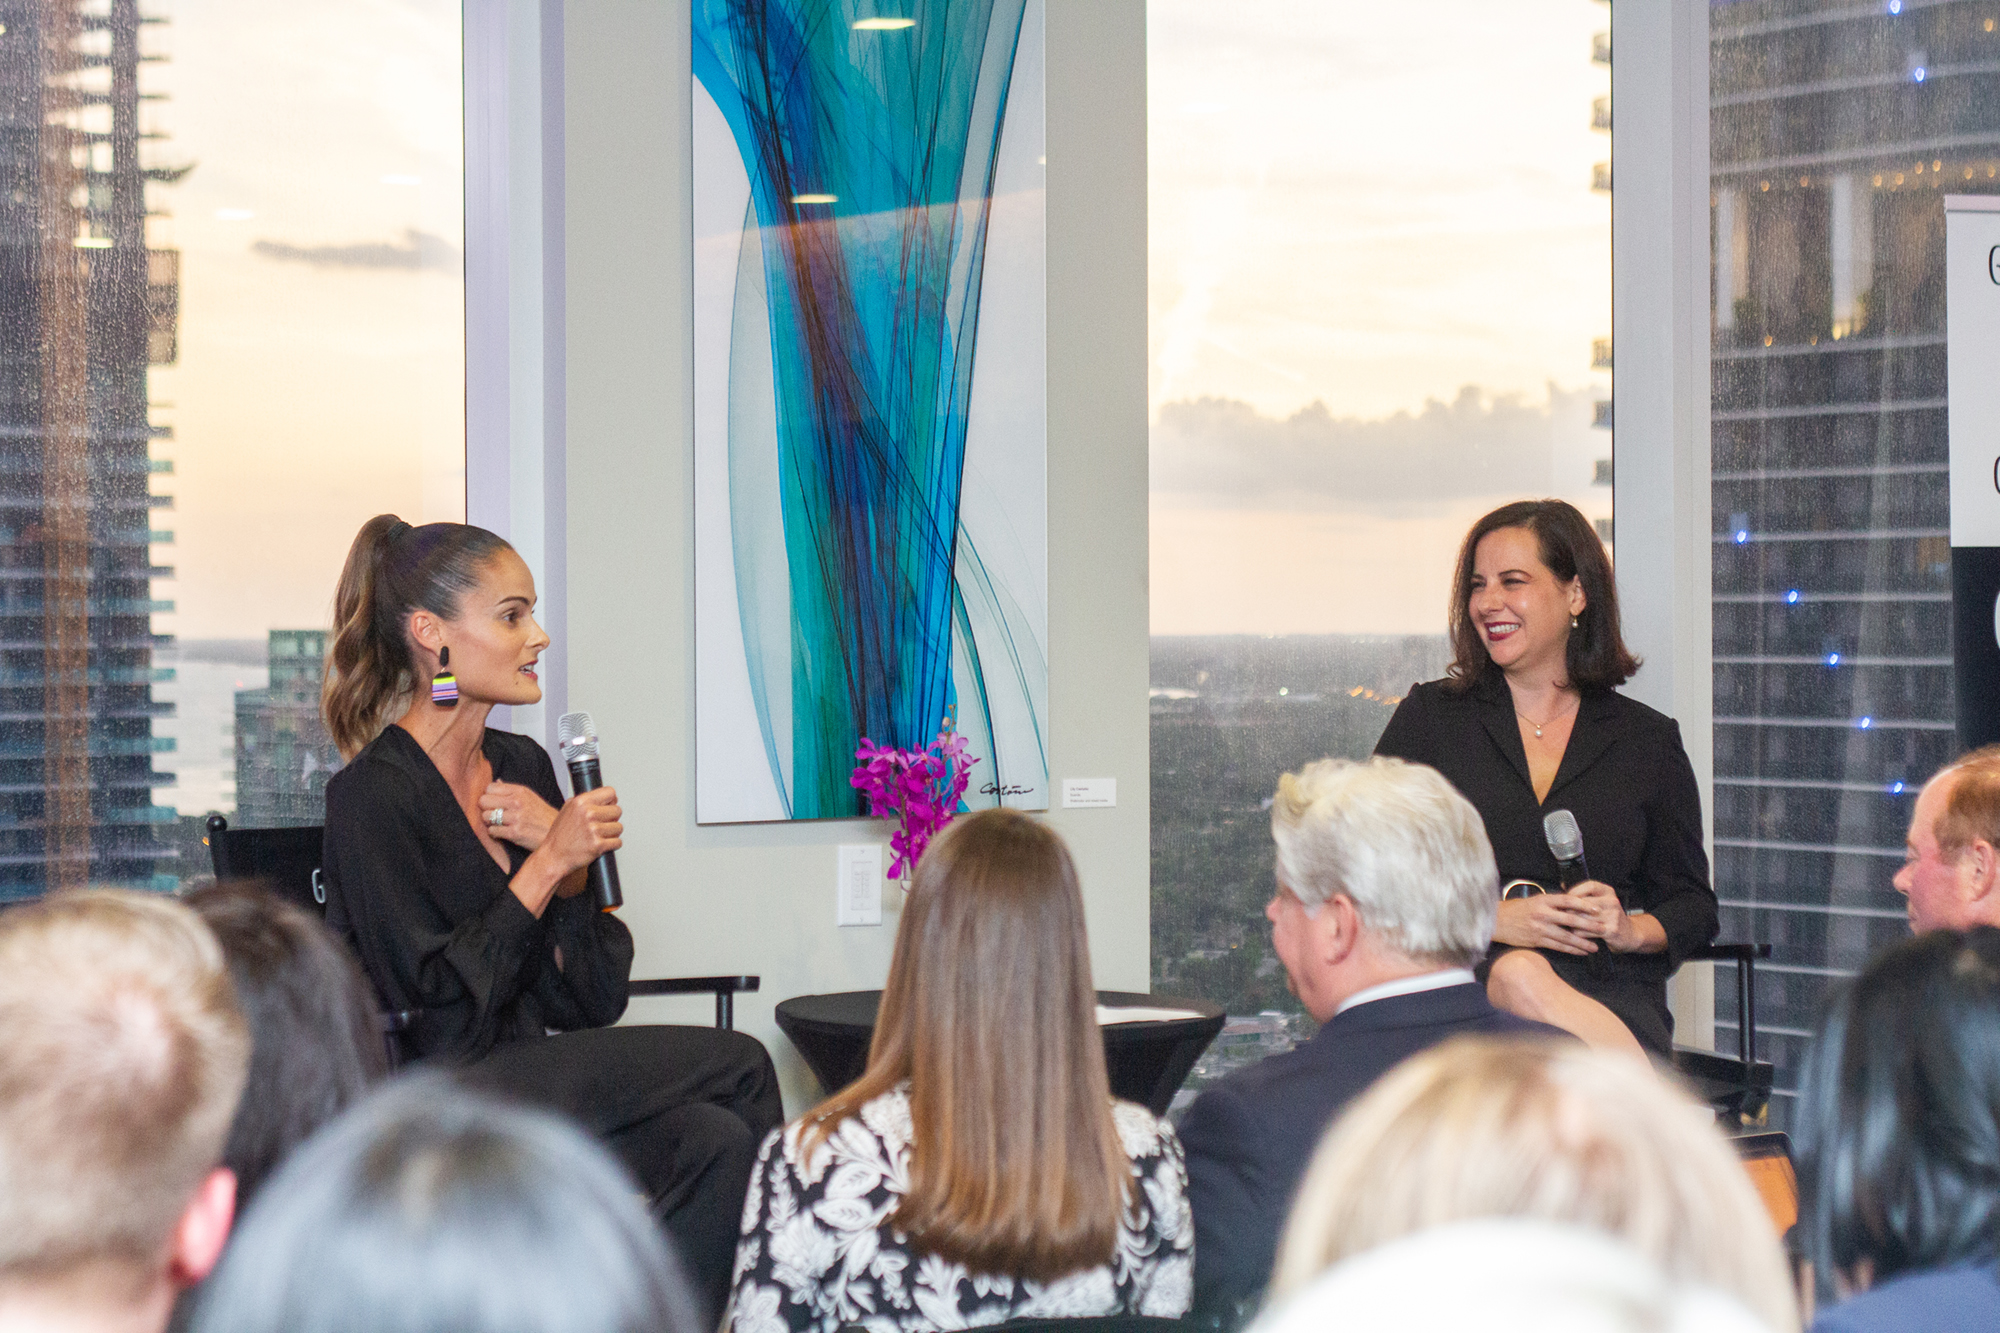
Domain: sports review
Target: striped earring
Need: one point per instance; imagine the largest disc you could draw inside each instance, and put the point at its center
(444, 685)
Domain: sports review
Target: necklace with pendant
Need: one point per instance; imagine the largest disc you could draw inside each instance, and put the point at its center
(1550, 723)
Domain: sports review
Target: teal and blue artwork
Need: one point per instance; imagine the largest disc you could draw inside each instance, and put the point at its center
(870, 486)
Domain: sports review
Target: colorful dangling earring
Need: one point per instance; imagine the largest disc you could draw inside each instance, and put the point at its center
(444, 685)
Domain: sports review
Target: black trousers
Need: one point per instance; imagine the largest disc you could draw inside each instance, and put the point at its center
(684, 1108)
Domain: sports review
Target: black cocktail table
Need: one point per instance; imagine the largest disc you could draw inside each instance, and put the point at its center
(1147, 1061)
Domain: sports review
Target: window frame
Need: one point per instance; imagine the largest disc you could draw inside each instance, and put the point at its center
(515, 390)
(1660, 293)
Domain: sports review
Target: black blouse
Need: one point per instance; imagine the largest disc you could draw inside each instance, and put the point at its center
(428, 911)
(1626, 778)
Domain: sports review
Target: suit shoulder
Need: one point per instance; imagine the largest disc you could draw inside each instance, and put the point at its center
(1638, 716)
(1270, 1076)
(1503, 1024)
(1412, 731)
(1427, 694)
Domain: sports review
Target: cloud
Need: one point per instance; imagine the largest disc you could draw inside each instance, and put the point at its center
(419, 250)
(1217, 453)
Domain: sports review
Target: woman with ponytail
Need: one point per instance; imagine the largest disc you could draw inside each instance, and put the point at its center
(456, 870)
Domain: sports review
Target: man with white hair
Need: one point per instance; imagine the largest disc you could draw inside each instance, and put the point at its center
(1386, 898)
(122, 1056)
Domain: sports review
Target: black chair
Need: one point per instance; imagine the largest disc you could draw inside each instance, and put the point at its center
(1739, 1089)
(288, 859)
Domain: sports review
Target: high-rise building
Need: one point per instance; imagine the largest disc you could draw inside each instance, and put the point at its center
(84, 308)
(283, 752)
(1836, 130)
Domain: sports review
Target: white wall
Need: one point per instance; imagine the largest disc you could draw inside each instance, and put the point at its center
(1660, 290)
(760, 898)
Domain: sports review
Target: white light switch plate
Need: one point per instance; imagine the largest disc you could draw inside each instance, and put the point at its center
(1089, 793)
(859, 892)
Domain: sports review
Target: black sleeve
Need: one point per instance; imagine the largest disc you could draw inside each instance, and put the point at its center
(462, 973)
(1408, 730)
(1235, 1223)
(1674, 864)
(590, 989)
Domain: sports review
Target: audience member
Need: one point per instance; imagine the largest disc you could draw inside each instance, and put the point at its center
(428, 1207)
(1951, 868)
(1507, 1275)
(1386, 899)
(979, 1169)
(1899, 1139)
(122, 1054)
(1553, 1132)
(315, 1041)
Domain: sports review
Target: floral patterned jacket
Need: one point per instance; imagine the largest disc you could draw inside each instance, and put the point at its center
(818, 1251)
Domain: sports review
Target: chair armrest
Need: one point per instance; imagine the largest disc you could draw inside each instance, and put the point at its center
(695, 985)
(724, 989)
(1745, 956)
(1732, 953)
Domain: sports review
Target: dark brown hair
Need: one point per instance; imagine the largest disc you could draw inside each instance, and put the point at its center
(989, 1014)
(392, 569)
(1597, 657)
(315, 1043)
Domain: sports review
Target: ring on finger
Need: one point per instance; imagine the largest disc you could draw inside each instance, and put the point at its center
(496, 817)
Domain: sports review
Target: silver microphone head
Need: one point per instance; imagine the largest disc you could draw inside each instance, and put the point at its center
(1565, 838)
(576, 736)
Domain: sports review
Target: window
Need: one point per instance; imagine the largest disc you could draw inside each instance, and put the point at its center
(1836, 131)
(1380, 301)
(232, 331)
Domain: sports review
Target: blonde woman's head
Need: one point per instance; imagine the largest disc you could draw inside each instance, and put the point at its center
(1483, 1127)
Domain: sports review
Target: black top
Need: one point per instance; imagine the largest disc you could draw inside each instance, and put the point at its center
(428, 911)
(1249, 1138)
(1626, 779)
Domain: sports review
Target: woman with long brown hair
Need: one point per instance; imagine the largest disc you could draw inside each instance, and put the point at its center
(978, 1170)
(1529, 722)
(455, 868)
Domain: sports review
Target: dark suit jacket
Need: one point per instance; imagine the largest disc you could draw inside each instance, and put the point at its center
(1249, 1137)
(1628, 782)
(1958, 1299)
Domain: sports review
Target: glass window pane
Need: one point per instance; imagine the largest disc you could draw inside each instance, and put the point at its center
(1380, 307)
(1836, 132)
(232, 330)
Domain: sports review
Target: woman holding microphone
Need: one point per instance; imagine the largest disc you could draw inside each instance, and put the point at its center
(1528, 722)
(456, 870)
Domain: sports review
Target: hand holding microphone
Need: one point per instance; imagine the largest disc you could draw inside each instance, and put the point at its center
(1613, 925)
(595, 807)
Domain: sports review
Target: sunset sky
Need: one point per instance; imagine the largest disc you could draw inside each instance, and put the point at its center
(321, 369)
(1357, 211)
(1361, 207)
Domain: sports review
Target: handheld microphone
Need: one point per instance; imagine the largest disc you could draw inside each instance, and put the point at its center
(1566, 845)
(576, 737)
(1565, 841)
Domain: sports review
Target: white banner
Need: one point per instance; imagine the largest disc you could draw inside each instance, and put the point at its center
(1972, 332)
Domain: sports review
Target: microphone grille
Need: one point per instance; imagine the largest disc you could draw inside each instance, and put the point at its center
(576, 735)
(1565, 838)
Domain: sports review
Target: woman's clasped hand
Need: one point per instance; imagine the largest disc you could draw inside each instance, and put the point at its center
(1583, 920)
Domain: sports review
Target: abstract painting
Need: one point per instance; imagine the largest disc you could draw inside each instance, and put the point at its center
(871, 549)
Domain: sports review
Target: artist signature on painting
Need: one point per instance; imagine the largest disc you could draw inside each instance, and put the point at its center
(1007, 789)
